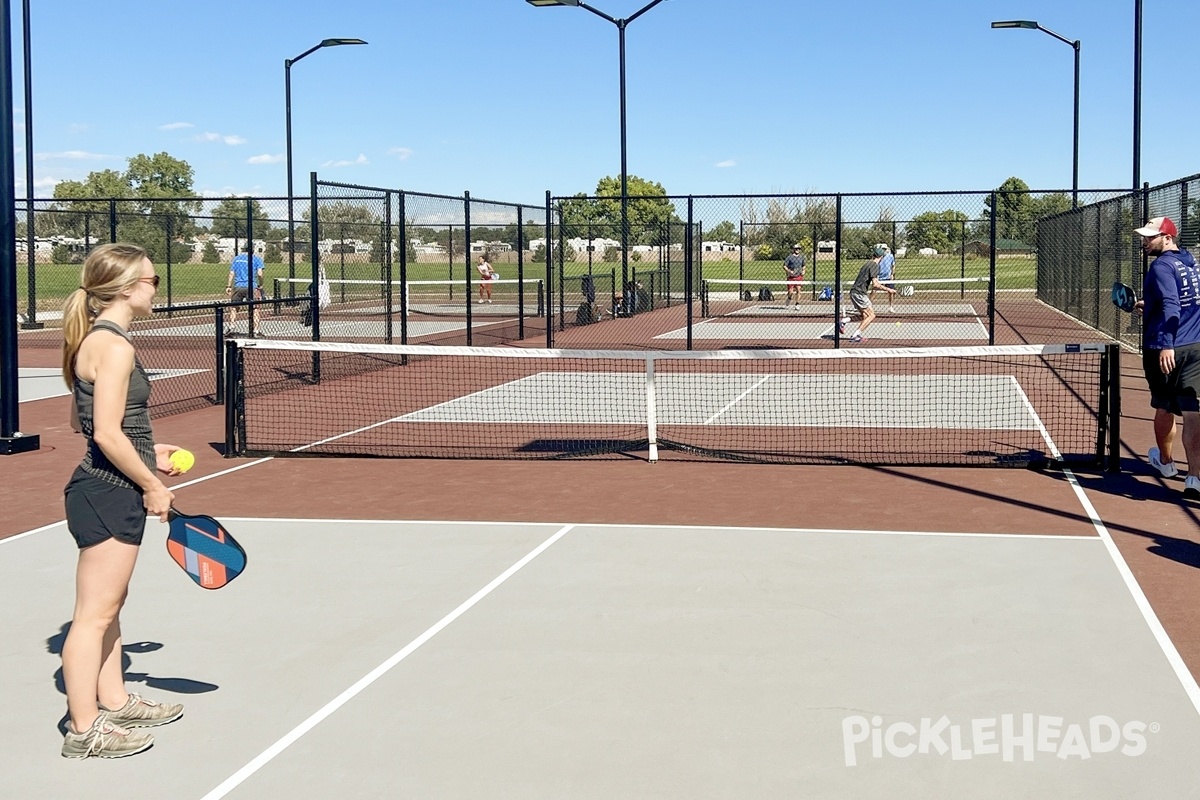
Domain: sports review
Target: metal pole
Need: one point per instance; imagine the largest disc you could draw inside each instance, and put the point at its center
(1137, 96)
(1075, 142)
(287, 101)
(31, 322)
(11, 440)
(621, 24)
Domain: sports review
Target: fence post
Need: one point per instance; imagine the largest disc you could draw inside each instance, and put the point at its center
(251, 273)
(837, 272)
(386, 255)
(403, 271)
(30, 323)
(520, 273)
(467, 261)
(219, 327)
(688, 278)
(314, 253)
(170, 241)
(112, 220)
(992, 275)
(549, 275)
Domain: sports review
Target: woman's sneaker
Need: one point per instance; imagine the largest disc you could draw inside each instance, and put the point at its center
(1166, 470)
(138, 712)
(1191, 488)
(104, 740)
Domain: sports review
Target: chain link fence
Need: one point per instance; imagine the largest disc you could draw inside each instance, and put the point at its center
(1084, 251)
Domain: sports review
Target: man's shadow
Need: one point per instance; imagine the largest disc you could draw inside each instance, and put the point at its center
(54, 645)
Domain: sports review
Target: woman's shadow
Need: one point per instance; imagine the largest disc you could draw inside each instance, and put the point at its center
(54, 645)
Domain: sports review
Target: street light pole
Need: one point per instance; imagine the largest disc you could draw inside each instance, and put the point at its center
(287, 101)
(1137, 96)
(621, 25)
(1075, 44)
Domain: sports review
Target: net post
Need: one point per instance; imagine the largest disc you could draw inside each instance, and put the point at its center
(275, 296)
(231, 397)
(704, 310)
(1114, 407)
(651, 411)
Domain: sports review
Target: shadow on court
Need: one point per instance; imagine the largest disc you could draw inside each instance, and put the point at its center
(54, 645)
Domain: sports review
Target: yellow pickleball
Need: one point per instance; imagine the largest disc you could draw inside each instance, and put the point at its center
(182, 460)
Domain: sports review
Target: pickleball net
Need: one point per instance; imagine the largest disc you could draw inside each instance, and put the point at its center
(1011, 405)
(933, 298)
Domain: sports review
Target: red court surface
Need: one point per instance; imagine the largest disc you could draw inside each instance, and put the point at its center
(1134, 519)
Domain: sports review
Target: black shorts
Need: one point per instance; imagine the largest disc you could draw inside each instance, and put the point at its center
(98, 510)
(239, 294)
(1180, 390)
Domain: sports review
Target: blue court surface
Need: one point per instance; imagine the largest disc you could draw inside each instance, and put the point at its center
(558, 660)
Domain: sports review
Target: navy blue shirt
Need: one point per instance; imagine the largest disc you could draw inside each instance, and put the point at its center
(1171, 292)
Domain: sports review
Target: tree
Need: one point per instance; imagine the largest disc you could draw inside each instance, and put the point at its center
(650, 212)
(146, 195)
(210, 256)
(941, 230)
(722, 232)
(1014, 211)
(229, 218)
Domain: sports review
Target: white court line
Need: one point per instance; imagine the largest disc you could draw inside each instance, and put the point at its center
(737, 400)
(731, 528)
(1182, 673)
(263, 758)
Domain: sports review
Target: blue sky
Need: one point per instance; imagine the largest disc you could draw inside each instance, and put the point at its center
(507, 100)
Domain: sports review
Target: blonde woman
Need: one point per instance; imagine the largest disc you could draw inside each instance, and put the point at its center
(108, 498)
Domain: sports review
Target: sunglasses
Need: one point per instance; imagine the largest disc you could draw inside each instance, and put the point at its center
(153, 281)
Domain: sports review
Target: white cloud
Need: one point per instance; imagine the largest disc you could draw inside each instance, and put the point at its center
(72, 155)
(265, 158)
(401, 153)
(209, 136)
(79, 127)
(362, 159)
(724, 164)
(174, 126)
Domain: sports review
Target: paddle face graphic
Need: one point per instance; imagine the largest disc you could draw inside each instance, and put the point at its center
(204, 550)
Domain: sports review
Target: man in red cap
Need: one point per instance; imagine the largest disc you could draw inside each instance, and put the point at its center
(1170, 306)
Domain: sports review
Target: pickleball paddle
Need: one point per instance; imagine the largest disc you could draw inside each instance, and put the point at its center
(204, 549)
(1123, 297)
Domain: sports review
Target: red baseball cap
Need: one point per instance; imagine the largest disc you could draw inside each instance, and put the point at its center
(1159, 226)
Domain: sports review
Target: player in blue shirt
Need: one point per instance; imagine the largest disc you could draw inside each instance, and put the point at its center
(1170, 306)
(238, 285)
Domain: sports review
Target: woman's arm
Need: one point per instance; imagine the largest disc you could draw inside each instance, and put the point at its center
(114, 364)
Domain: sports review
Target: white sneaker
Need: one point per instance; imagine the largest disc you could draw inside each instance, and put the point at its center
(1191, 488)
(845, 320)
(1166, 470)
(856, 337)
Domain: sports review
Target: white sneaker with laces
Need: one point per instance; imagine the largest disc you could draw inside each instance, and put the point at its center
(1191, 488)
(1167, 470)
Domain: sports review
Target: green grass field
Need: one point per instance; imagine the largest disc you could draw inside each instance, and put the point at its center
(199, 282)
